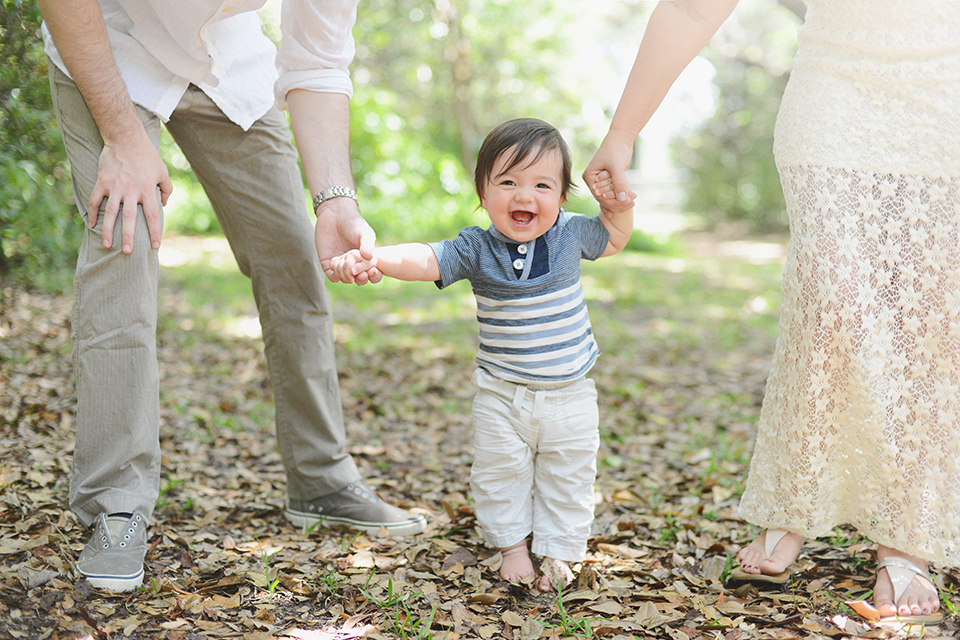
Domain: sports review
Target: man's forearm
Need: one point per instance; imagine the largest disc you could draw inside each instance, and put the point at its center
(130, 170)
(81, 38)
(321, 126)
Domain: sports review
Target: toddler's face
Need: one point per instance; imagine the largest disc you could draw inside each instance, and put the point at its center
(524, 202)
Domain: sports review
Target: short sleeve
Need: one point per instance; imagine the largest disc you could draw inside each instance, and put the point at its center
(459, 258)
(591, 233)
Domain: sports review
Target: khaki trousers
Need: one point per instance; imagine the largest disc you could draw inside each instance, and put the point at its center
(254, 184)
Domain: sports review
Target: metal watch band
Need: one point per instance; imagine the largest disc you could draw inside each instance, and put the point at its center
(333, 192)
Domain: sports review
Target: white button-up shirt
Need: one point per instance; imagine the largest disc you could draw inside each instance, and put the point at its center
(162, 46)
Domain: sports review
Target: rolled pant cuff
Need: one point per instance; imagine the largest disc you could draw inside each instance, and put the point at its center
(570, 552)
(505, 540)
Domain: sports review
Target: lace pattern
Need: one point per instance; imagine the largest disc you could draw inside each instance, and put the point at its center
(861, 421)
(875, 85)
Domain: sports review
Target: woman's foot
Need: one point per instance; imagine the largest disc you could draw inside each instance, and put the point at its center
(918, 595)
(556, 575)
(516, 562)
(757, 559)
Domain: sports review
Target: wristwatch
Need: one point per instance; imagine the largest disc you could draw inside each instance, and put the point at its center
(333, 192)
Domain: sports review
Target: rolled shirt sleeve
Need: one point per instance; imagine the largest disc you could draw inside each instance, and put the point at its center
(316, 47)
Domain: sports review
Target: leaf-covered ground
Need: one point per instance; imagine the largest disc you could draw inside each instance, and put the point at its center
(686, 342)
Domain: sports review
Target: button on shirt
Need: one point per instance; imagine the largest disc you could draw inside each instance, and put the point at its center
(162, 46)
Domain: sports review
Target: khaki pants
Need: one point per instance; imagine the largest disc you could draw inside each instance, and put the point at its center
(253, 181)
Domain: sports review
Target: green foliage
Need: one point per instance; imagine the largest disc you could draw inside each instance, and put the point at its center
(733, 176)
(271, 582)
(431, 79)
(410, 188)
(330, 580)
(409, 624)
(951, 604)
(188, 210)
(451, 71)
(570, 626)
(39, 227)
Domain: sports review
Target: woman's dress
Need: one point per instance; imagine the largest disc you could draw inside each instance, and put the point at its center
(861, 420)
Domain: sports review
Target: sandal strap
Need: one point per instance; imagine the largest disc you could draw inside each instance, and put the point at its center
(772, 539)
(901, 573)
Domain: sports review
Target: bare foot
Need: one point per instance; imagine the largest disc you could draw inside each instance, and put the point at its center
(919, 598)
(556, 573)
(516, 562)
(753, 557)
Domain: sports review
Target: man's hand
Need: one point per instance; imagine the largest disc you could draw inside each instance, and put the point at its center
(130, 168)
(340, 228)
(128, 174)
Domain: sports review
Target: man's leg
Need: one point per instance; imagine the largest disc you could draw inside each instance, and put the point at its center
(116, 461)
(254, 184)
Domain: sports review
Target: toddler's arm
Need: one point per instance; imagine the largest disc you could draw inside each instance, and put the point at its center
(617, 217)
(412, 261)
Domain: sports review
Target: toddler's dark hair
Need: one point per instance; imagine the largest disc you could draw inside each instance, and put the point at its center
(527, 135)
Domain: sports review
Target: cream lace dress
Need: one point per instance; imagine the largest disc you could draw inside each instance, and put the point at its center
(861, 421)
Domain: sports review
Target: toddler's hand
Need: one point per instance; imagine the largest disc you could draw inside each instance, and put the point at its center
(609, 204)
(604, 191)
(348, 266)
(603, 186)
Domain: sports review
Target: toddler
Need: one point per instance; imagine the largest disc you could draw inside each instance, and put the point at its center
(535, 414)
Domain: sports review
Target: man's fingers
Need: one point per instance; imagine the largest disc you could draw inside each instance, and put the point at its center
(166, 188)
(93, 206)
(368, 240)
(151, 212)
(128, 226)
(110, 213)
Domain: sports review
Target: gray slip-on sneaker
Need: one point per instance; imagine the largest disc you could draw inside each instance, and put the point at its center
(113, 558)
(355, 506)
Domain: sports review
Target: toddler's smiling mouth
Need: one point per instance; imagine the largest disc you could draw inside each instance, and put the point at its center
(522, 217)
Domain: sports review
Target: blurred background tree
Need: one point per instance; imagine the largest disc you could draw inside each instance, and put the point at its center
(431, 78)
(39, 233)
(733, 178)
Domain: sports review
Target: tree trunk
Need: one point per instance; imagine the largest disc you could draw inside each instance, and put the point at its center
(457, 54)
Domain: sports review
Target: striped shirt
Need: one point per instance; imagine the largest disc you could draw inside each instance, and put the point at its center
(536, 329)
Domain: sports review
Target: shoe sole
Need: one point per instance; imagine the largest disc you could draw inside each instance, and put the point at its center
(115, 583)
(397, 529)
